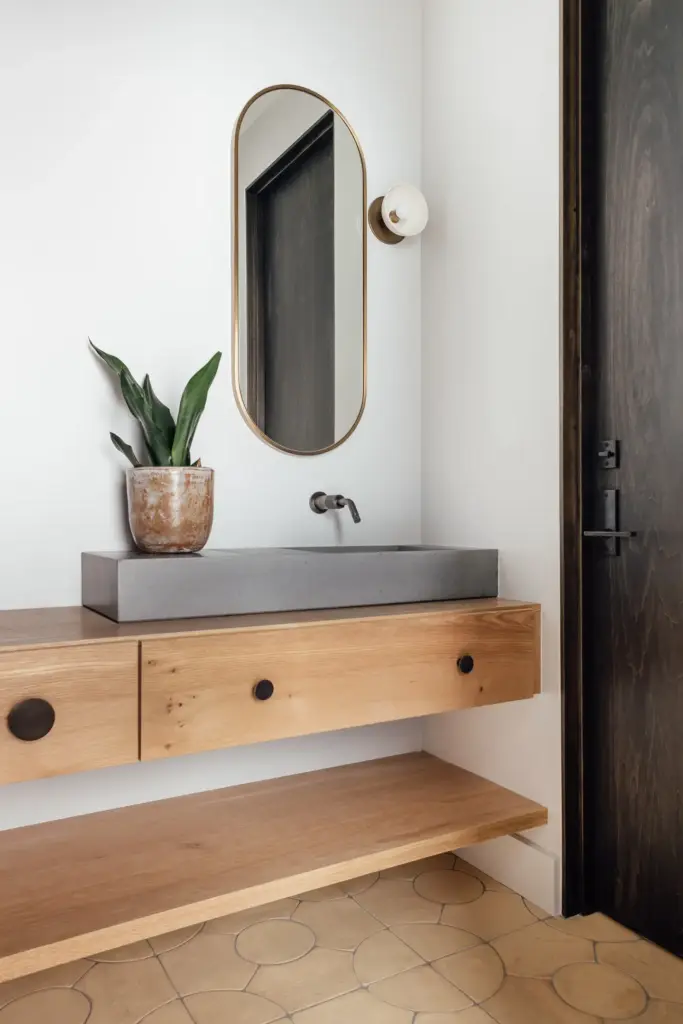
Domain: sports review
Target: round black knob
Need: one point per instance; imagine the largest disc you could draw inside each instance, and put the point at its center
(263, 690)
(31, 719)
(465, 664)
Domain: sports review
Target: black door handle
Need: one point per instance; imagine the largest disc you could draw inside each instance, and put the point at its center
(609, 534)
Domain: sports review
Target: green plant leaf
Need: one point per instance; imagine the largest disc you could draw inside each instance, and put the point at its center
(162, 414)
(192, 406)
(157, 441)
(136, 400)
(125, 449)
(133, 394)
(113, 362)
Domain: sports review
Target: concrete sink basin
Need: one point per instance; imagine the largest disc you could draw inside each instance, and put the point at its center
(132, 587)
(367, 548)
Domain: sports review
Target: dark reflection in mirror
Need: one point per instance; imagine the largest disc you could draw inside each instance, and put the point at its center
(300, 274)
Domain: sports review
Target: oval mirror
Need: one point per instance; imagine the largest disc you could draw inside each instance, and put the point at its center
(298, 271)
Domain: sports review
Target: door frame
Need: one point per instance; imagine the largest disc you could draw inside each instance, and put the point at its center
(576, 898)
(320, 134)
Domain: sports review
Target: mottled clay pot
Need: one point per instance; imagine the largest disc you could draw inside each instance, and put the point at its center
(170, 508)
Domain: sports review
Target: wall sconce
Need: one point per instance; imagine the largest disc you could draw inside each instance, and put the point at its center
(402, 212)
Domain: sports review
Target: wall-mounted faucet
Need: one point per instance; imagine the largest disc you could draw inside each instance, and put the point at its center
(321, 502)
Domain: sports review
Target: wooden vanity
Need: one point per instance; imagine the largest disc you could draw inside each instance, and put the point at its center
(87, 693)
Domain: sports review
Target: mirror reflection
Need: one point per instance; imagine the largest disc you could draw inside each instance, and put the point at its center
(299, 271)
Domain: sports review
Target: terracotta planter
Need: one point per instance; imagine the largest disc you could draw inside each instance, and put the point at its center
(170, 508)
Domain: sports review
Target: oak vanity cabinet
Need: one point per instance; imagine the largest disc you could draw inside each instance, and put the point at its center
(79, 692)
(250, 685)
(108, 695)
(67, 709)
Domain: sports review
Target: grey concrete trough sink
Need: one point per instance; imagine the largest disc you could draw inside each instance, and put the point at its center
(132, 587)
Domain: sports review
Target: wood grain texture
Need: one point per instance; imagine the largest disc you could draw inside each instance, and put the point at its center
(575, 309)
(49, 627)
(196, 692)
(77, 887)
(94, 692)
(634, 621)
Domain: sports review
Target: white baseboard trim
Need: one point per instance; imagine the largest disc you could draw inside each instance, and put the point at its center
(521, 865)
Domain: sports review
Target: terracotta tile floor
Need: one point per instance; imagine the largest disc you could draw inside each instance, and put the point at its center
(432, 943)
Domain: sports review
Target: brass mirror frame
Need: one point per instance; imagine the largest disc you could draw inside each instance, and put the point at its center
(235, 273)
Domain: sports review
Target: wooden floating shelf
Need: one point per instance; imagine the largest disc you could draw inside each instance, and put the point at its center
(77, 887)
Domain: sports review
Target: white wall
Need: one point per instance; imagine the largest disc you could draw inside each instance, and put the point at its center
(115, 223)
(490, 387)
(115, 214)
(26, 803)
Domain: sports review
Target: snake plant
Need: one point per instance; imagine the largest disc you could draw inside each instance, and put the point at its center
(167, 442)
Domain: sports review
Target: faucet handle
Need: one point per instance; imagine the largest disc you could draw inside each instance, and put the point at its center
(351, 505)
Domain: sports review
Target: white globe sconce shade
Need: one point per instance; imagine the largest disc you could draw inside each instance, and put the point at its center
(399, 214)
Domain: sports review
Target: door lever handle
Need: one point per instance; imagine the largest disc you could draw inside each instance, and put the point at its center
(610, 534)
(611, 537)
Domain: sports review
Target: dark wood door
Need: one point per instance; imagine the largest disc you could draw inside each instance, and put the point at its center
(290, 239)
(633, 378)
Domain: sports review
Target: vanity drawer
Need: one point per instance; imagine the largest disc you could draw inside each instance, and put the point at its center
(83, 699)
(198, 692)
